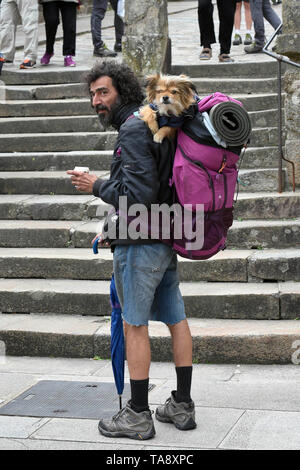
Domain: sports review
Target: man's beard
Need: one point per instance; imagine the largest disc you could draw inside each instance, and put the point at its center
(106, 119)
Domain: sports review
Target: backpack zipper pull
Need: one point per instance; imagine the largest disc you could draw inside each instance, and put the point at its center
(224, 162)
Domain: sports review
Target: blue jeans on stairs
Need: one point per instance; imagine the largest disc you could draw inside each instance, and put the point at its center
(98, 13)
(261, 9)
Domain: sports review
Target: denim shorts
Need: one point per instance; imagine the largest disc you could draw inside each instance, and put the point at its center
(147, 284)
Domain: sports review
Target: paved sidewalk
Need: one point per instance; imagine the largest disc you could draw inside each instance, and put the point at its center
(183, 31)
(237, 407)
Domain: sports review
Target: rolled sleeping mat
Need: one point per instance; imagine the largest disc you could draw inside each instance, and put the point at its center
(231, 122)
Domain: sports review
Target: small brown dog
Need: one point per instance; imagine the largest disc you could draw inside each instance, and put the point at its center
(169, 95)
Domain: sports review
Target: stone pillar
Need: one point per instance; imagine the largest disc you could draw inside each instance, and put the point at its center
(288, 44)
(292, 120)
(289, 41)
(146, 47)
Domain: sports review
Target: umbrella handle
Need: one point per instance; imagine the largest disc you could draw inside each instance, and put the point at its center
(120, 401)
(95, 246)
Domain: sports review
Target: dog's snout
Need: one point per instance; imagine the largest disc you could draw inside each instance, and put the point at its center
(166, 99)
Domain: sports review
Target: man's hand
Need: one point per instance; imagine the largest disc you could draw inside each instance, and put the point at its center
(82, 181)
(101, 242)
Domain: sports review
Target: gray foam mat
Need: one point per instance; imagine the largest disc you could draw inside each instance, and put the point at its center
(68, 399)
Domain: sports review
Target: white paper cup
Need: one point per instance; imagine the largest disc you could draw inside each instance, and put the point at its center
(84, 169)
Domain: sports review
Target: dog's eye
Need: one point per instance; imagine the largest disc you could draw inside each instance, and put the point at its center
(174, 92)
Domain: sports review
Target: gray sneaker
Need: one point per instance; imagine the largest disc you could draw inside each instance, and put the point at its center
(103, 51)
(128, 423)
(253, 48)
(181, 414)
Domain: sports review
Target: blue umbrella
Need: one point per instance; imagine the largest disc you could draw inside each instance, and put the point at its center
(117, 341)
(117, 336)
(1, 62)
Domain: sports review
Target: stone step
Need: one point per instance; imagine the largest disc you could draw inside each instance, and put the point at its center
(264, 234)
(67, 107)
(81, 263)
(50, 124)
(45, 92)
(214, 340)
(78, 207)
(235, 85)
(44, 76)
(259, 180)
(264, 137)
(58, 75)
(77, 107)
(267, 205)
(78, 90)
(57, 124)
(49, 207)
(59, 142)
(58, 182)
(64, 142)
(17, 233)
(261, 301)
(44, 182)
(252, 234)
(59, 161)
(265, 118)
(250, 70)
(255, 157)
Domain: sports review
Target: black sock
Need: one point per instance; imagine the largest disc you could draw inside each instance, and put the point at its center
(184, 382)
(139, 395)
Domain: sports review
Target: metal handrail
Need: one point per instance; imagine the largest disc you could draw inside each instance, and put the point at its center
(280, 58)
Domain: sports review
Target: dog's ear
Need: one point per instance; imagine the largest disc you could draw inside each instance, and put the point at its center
(186, 83)
(151, 82)
(187, 88)
(152, 79)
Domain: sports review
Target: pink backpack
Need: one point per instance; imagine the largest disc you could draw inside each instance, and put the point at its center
(204, 173)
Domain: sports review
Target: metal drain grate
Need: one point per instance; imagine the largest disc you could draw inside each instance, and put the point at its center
(67, 399)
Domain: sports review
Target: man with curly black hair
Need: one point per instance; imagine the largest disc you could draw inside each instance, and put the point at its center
(145, 270)
(122, 79)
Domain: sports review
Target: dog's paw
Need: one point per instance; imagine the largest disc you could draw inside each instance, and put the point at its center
(158, 138)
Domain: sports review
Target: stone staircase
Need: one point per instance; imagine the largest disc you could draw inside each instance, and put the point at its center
(243, 304)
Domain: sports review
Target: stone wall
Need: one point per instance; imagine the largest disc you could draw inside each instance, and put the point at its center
(288, 44)
(292, 120)
(289, 40)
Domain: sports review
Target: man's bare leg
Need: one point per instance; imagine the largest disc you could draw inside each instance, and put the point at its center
(182, 344)
(138, 358)
(138, 351)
